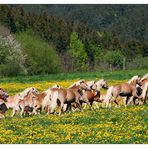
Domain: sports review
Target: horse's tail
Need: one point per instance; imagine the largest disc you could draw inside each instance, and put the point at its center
(108, 94)
(45, 102)
(53, 101)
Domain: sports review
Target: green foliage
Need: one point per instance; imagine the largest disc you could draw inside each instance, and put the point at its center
(41, 57)
(139, 63)
(77, 53)
(114, 58)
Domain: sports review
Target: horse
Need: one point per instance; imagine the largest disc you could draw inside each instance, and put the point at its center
(26, 105)
(67, 96)
(125, 89)
(93, 93)
(41, 102)
(144, 85)
(12, 101)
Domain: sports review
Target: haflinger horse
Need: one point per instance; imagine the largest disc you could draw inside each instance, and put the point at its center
(93, 93)
(26, 105)
(67, 96)
(124, 90)
(3, 100)
(42, 100)
(12, 101)
(144, 85)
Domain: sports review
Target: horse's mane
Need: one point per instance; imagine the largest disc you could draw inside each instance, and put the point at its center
(144, 77)
(90, 83)
(133, 79)
(76, 83)
(25, 92)
(100, 81)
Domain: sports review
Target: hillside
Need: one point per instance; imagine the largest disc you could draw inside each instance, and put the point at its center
(105, 38)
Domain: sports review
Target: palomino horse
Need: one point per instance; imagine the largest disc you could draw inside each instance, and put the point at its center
(66, 96)
(27, 102)
(93, 95)
(144, 85)
(41, 102)
(125, 89)
(12, 101)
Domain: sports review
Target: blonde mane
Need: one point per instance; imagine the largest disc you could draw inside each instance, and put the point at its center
(90, 83)
(144, 77)
(133, 79)
(76, 83)
(100, 83)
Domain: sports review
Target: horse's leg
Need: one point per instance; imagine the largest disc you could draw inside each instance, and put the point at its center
(61, 108)
(22, 112)
(96, 105)
(87, 102)
(127, 100)
(79, 104)
(13, 112)
(116, 102)
(85, 105)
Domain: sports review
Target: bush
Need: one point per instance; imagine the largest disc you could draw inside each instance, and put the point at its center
(115, 58)
(41, 57)
(12, 59)
(138, 63)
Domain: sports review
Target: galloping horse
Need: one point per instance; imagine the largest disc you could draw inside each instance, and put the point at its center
(125, 89)
(27, 102)
(41, 102)
(93, 95)
(12, 101)
(66, 96)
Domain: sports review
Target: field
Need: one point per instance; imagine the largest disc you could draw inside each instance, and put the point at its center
(115, 125)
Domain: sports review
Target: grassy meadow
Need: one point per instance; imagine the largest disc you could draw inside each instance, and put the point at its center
(114, 125)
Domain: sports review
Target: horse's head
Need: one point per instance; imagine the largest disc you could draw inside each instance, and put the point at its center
(91, 85)
(83, 84)
(32, 96)
(134, 80)
(34, 90)
(3, 95)
(143, 80)
(102, 84)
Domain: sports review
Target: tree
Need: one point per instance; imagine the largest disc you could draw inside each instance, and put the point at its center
(77, 53)
(12, 59)
(114, 58)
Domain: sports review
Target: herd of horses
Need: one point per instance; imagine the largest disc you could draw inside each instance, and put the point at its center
(31, 102)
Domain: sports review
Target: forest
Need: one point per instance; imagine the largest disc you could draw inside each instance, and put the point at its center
(45, 39)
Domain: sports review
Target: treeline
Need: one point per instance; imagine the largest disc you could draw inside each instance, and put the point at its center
(52, 44)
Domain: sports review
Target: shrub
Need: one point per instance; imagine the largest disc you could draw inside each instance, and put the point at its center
(41, 57)
(12, 59)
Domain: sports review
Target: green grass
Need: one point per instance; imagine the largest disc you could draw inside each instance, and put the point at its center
(115, 125)
(116, 75)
